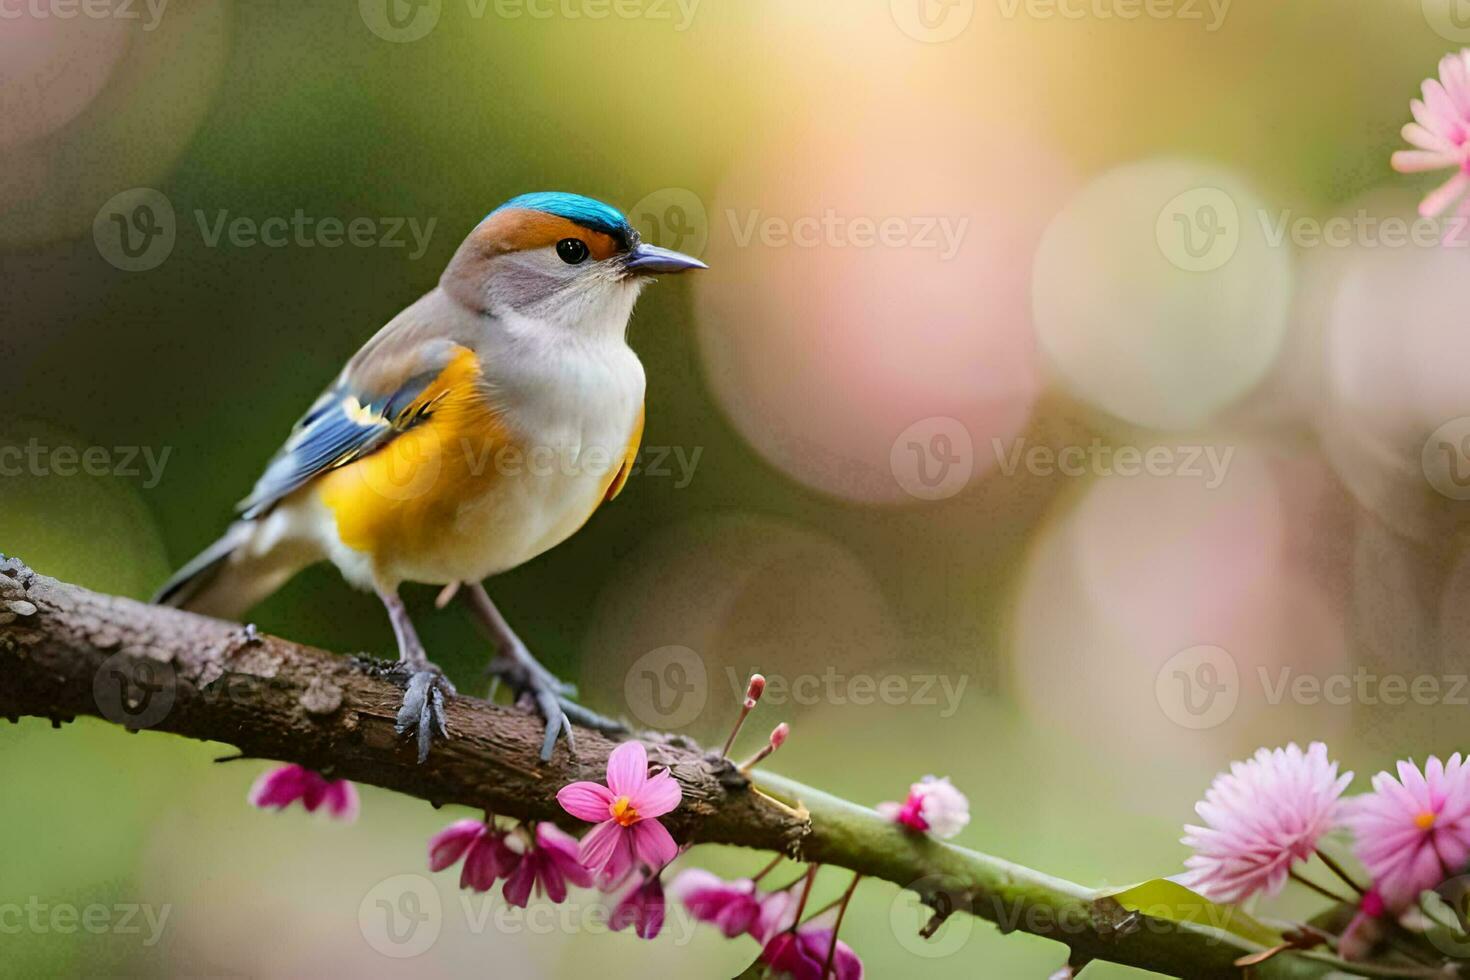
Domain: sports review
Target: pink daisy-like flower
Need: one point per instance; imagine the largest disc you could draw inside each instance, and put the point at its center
(802, 954)
(642, 908)
(1261, 818)
(281, 787)
(1440, 134)
(548, 866)
(486, 855)
(626, 812)
(732, 906)
(933, 805)
(1413, 832)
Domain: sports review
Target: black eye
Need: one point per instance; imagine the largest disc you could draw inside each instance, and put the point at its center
(572, 250)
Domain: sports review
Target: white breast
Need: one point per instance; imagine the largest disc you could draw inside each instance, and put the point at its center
(571, 403)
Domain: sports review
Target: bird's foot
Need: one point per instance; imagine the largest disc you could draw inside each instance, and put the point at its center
(422, 712)
(537, 688)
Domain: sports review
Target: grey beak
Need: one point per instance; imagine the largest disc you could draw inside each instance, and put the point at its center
(650, 260)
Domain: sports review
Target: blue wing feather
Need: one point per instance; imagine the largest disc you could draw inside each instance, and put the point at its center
(338, 429)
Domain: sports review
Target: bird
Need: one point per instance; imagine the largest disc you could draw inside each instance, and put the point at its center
(479, 428)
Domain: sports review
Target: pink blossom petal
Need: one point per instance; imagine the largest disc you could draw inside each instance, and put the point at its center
(600, 844)
(627, 769)
(342, 801)
(279, 787)
(642, 908)
(659, 795)
(488, 859)
(517, 890)
(619, 864)
(563, 850)
(586, 801)
(450, 844)
(652, 844)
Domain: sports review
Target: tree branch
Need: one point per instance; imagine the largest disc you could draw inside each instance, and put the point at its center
(66, 651)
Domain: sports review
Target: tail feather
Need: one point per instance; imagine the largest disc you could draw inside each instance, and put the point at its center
(231, 575)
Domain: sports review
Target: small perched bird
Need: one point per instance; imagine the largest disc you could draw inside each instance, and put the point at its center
(480, 427)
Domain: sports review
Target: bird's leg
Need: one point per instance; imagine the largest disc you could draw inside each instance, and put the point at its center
(528, 679)
(423, 701)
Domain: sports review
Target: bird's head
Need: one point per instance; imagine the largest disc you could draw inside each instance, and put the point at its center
(557, 258)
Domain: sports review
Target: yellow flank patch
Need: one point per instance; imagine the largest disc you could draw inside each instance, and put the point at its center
(406, 494)
(630, 455)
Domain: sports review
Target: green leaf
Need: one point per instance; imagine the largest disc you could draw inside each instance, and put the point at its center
(1162, 898)
(756, 971)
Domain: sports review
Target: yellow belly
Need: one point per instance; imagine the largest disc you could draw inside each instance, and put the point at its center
(453, 496)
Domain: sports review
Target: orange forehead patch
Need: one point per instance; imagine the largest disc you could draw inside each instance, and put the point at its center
(521, 229)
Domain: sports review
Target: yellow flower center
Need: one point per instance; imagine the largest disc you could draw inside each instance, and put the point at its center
(1424, 820)
(623, 812)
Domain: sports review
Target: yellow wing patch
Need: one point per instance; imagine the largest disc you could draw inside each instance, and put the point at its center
(406, 494)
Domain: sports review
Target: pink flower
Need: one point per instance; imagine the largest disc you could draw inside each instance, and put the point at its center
(642, 908)
(486, 855)
(1261, 818)
(733, 906)
(281, 787)
(626, 812)
(933, 805)
(802, 954)
(1414, 831)
(1439, 132)
(548, 865)
(777, 914)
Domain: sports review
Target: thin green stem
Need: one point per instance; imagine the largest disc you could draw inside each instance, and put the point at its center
(1326, 893)
(1337, 869)
(836, 928)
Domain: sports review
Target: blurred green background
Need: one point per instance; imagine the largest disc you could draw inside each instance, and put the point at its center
(785, 518)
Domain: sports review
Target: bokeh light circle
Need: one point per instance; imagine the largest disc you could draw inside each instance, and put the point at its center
(872, 274)
(126, 135)
(1396, 350)
(51, 68)
(1158, 295)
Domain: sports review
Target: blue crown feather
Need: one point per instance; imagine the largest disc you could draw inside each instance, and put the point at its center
(574, 207)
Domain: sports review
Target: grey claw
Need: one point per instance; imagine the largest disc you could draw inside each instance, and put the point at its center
(422, 711)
